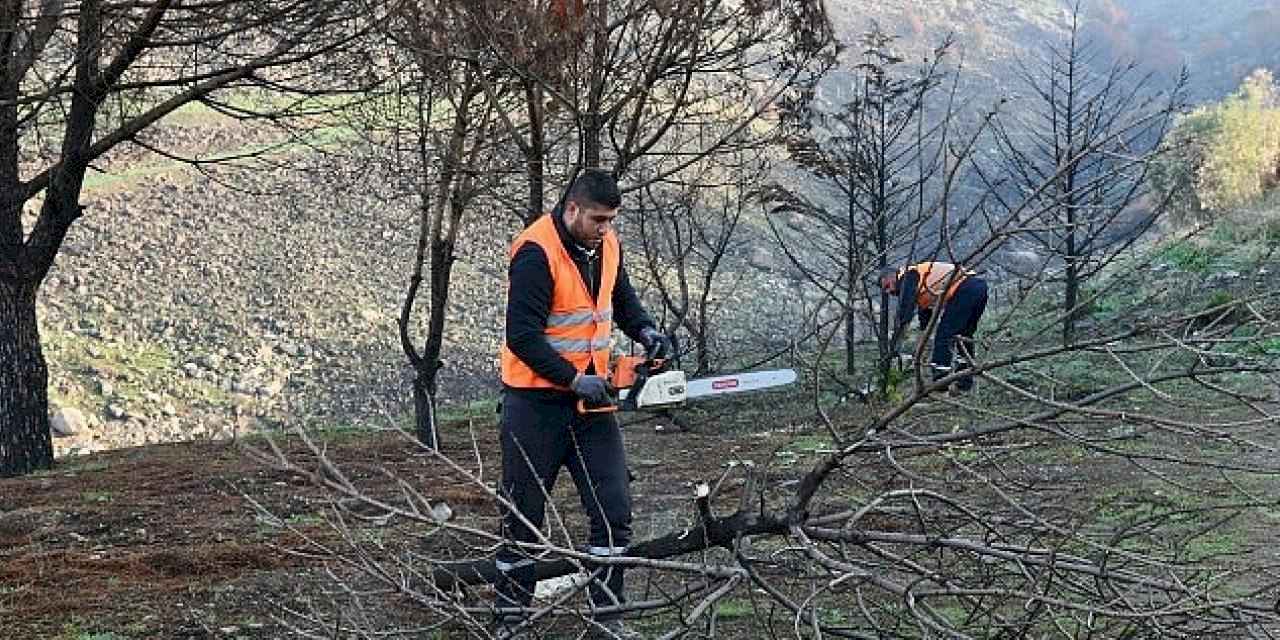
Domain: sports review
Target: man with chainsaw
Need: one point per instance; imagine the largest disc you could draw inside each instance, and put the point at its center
(566, 288)
(958, 294)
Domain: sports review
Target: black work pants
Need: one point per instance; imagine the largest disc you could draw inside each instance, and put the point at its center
(539, 436)
(959, 321)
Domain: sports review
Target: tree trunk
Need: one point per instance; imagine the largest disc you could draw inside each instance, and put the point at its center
(1072, 276)
(426, 385)
(1072, 299)
(884, 327)
(850, 334)
(716, 532)
(594, 120)
(851, 250)
(424, 406)
(884, 344)
(591, 129)
(535, 162)
(702, 344)
(25, 442)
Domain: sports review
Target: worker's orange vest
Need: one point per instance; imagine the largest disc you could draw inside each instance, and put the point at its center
(933, 276)
(579, 326)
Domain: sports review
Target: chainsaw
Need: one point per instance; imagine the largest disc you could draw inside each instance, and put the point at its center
(640, 383)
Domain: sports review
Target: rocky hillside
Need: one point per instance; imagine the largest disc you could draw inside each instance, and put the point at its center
(990, 37)
(189, 304)
(195, 303)
(192, 304)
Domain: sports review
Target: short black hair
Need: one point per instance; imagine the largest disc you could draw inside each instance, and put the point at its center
(596, 187)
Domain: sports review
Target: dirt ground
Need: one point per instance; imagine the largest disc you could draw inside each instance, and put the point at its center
(163, 542)
(160, 542)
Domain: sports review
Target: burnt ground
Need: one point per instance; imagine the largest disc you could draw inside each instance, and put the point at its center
(160, 541)
(164, 542)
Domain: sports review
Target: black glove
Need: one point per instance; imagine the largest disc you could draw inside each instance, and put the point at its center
(591, 388)
(656, 345)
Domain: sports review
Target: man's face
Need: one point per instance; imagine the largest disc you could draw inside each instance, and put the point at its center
(588, 224)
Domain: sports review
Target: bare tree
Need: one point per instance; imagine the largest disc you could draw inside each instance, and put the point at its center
(688, 233)
(1096, 128)
(82, 78)
(964, 518)
(978, 517)
(870, 161)
(605, 84)
(488, 77)
(447, 148)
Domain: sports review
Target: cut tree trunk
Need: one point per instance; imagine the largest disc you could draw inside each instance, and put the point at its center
(717, 532)
(25, 442)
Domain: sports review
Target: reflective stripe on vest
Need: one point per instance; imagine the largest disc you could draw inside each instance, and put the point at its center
(578, 327)
(579, 317)
(570, 345)
(933, 275)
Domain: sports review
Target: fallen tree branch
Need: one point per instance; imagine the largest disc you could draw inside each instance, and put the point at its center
(718, 532)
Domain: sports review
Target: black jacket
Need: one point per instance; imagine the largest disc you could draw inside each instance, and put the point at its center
(529, 304)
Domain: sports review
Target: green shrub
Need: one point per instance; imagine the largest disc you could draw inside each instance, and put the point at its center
(1189, 256)
(1241, 161)
(1225, 155)
(1174, 173)
(1219, 299)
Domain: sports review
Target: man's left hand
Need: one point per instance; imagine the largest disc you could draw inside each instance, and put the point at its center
(656, 345)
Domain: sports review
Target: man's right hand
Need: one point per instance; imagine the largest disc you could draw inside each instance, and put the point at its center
(591, 388)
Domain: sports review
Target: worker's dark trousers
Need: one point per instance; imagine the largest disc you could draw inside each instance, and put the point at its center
(959, 321)
(538, 438)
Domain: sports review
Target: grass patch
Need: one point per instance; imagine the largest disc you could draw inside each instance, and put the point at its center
(480, 410)
(1190, 256)
(130, 368)
(75, 630)
(303, 519)
(734, 608)
(809, 444)
(96, 496)
(1267, 346)
(1185, 526)
(99, 181)
(72, 466)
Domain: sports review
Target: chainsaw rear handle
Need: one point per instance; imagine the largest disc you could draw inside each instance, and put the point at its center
(608, 406)
(629, 372)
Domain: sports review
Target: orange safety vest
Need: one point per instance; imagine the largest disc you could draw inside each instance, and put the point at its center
(932, 276)
(578, 327)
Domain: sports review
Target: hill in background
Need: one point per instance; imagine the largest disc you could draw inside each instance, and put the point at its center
(191, 304)
(1220, 42)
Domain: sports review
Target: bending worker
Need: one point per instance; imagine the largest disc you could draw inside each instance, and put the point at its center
(566, 288)
(920, 290)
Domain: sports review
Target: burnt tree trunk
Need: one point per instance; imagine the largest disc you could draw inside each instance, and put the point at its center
(594, 120)
(427, 385)
(25, 442)
(716, 532)
(535, 162)
(1072, 293)
(424, 407)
